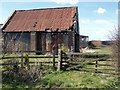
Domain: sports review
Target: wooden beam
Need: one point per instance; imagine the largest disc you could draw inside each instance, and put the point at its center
(59, 59)
(82, 64)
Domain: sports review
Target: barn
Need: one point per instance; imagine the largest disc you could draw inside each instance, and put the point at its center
(83, 41)
(42, 29)
(0, 31)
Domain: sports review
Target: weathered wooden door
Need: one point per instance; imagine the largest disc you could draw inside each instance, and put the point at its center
(44, 43)
(54, 43)
(56, 40)
(39, 43)
(60, 41)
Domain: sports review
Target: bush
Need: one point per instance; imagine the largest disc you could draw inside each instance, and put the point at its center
(26, 59)
(116, 49)
(64, 49)
(23, 75)
(29, 74)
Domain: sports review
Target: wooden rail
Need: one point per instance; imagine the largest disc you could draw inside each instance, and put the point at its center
(99, 64)
(66, 60)
(27, 51)
(92, 59)
(22, 57)
(83, 64)
(98, 68)
(3, 64)
(28, 57)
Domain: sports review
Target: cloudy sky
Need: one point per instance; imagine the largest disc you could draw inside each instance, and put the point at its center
(96, 19)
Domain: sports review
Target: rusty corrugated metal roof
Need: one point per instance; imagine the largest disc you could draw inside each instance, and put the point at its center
(41, 19)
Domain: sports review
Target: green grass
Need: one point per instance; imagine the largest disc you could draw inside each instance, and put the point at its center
(69, 79)
(103, 50)
(103, 67)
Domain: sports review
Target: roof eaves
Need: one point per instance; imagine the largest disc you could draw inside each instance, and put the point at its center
(47, 8)
(84, 36)
(8, 19)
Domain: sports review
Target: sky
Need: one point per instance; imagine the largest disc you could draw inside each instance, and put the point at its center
(96, 19)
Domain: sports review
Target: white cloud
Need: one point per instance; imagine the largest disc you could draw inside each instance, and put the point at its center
(59, 0)
(103, 32)
(101, 10)
(99, 33)
(66, 1)
(85, 21)
(101, 21)
(104, 22)
(98, 29)
(73, 1)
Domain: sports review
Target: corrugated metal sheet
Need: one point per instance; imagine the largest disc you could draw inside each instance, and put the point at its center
(53, 18)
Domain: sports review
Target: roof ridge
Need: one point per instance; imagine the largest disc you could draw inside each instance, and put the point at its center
(47, 8)
(24, 20)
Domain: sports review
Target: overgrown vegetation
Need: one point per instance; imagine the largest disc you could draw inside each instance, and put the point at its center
(116, 49)
(67, 79)
(47, 77)
(17, 75)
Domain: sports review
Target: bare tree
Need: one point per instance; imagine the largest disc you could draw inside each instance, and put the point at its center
(116, 49)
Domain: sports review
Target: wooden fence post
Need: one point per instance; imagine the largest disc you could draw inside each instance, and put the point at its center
(22, 60)
(53, 58)
(96, 66)
(59, 59)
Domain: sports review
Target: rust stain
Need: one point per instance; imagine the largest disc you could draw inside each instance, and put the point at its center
(44, 43)
(55, 18)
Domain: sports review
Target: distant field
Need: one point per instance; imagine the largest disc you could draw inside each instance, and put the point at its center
(103, 50)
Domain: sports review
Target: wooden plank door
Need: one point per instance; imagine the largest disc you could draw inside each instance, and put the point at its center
(54, 43)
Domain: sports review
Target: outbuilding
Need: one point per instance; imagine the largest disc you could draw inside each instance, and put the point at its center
(42, 29)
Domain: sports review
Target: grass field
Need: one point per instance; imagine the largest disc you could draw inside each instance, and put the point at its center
(67, 79)
(103, 50)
